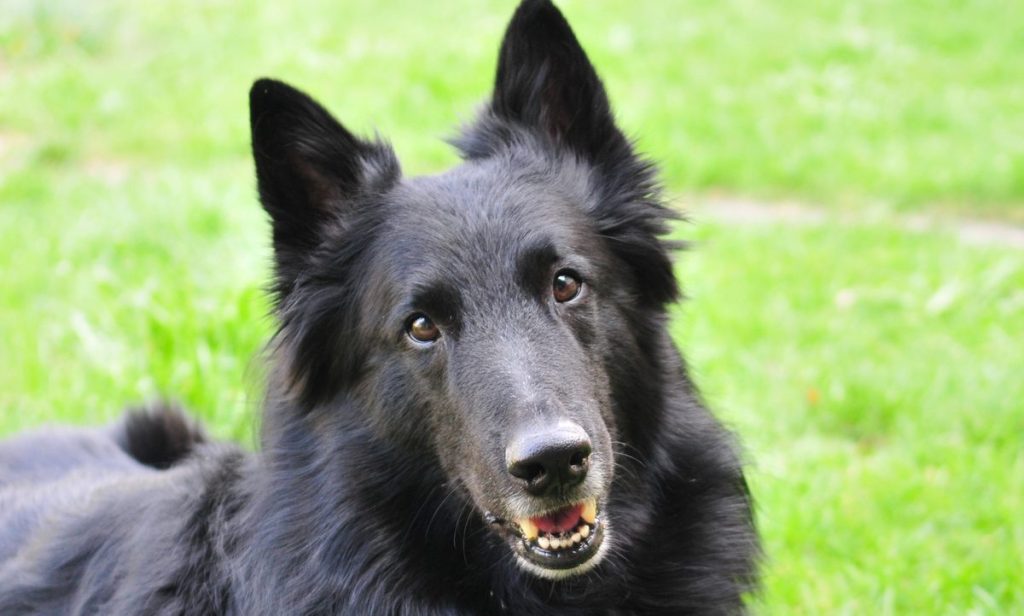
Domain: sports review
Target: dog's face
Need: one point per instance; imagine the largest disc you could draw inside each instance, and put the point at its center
(496, 288)
(474, 314)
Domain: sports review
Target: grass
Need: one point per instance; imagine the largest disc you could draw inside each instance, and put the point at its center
(873, 372)
(875, 378)
(905, 104)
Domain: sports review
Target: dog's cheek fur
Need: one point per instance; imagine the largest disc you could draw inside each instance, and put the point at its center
(398, 406)
(314, 356)
(635, 356)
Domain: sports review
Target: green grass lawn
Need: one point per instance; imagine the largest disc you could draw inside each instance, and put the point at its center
(874, 372)
(875, 376)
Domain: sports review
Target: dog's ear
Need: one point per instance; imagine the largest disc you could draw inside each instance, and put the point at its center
(547, 85)
(546, 82)
(310, 170)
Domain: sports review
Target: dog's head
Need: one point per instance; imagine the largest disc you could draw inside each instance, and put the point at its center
(484, 316)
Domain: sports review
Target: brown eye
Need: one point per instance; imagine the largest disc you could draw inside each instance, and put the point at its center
(422, 329)
(566, 286)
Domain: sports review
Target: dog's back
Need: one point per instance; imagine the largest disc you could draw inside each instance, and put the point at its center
(51, 473)
(74, 503)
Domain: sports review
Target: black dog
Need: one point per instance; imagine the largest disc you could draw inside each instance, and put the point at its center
(474, 405)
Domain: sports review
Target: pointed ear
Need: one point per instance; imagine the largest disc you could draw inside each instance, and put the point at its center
(310, 170)
(546, 82)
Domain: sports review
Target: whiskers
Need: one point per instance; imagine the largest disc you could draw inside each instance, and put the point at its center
(467, 512)
(437, 509)
(630, 465)
(416, 516)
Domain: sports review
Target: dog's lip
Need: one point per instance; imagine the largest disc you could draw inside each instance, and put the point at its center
(556, 539)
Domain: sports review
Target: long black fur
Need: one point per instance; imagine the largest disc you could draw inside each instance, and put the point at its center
(380, 463)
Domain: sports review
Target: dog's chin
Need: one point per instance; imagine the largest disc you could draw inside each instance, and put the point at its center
(560, 543)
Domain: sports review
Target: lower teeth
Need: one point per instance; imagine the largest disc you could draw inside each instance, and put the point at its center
(563, 540)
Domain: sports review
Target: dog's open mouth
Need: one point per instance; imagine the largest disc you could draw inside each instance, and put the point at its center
(562, 540)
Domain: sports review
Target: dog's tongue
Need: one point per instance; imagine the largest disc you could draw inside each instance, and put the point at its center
(559, 521)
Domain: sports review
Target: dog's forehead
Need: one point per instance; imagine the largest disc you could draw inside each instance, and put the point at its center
(493, 207)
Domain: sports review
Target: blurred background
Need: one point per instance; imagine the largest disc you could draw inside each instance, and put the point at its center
(853, 172)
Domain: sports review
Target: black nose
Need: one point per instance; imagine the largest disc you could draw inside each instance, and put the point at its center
(549, 459)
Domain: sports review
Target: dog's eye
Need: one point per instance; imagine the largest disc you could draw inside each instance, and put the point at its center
(422, 329)
(566, 286)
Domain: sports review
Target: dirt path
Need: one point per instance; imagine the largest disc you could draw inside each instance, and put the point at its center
(743, 211)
